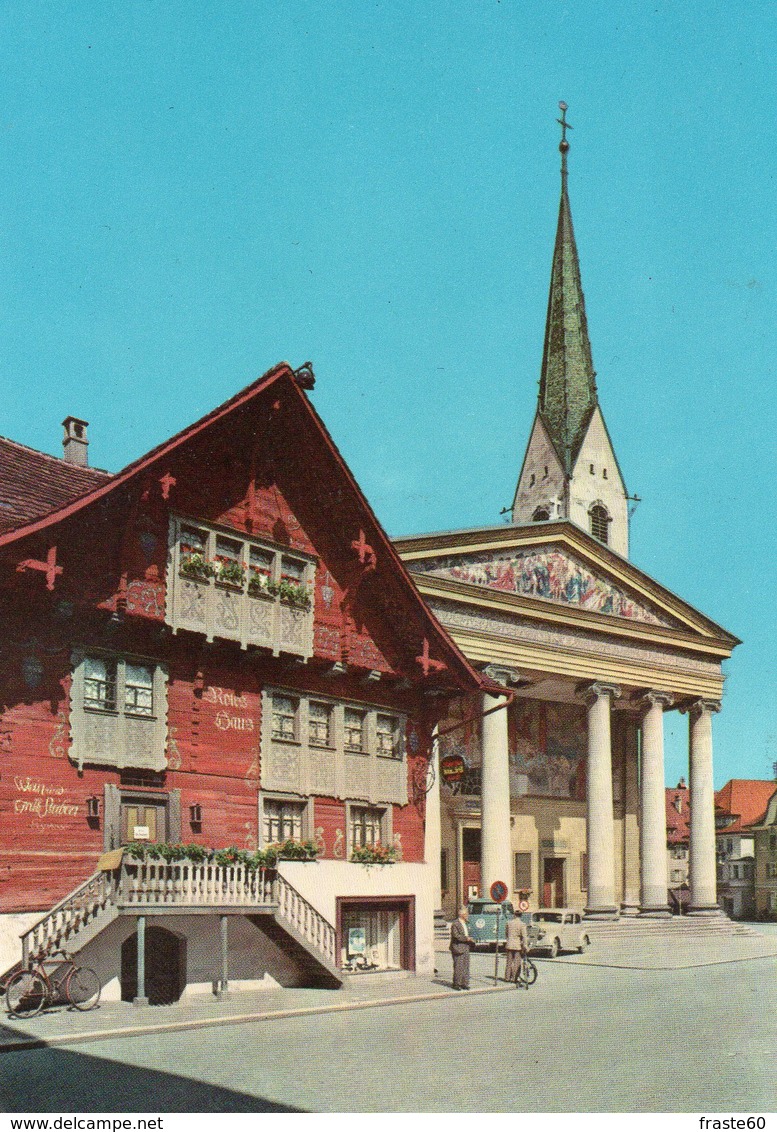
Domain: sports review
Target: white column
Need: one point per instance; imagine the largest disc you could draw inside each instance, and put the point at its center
(495, 846)
(630, 905)
(599, 815)
(653, 886)
(702, 804)
(432, 829)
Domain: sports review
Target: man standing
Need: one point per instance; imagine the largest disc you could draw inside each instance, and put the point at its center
(460, 945)
(516, 945)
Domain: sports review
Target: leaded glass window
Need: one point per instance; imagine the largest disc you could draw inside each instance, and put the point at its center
(284, 718)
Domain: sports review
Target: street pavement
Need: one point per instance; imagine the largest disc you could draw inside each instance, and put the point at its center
(585, 1038)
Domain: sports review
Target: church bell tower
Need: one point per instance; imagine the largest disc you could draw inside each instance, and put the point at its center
(570, 470)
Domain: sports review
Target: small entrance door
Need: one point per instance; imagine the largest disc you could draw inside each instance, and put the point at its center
(470, 853)
(165, 966)
(143, 819)
(553, 882)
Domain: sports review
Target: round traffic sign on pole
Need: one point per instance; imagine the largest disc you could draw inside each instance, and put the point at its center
(498, 891)
(523, 905)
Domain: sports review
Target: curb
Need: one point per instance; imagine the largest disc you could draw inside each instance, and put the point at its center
(232, 1020)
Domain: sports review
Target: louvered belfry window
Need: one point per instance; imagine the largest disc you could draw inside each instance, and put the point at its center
(600, 522)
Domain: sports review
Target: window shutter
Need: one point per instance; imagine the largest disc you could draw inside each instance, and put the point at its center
(111, 818)
(174, 816)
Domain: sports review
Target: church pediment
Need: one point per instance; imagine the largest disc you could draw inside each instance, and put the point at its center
(547, 572)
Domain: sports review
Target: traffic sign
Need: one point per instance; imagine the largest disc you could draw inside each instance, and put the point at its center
(523, 905)
(498, 891)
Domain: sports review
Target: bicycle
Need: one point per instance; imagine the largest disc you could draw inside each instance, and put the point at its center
(526, 975)
(45, 981)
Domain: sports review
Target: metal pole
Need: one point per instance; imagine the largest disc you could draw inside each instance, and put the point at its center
(140, 996)
(224, 932)
(496, 946)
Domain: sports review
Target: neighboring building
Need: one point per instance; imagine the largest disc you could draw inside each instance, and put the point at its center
(765, 861)
(678, 834)
(594, 652)
(216, 646)
(740, 803)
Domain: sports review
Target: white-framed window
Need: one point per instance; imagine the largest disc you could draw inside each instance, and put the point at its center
(225, 584)
(355, 730)
(285, 718)
(118, 711)
(316, 744)
(388, 737)
(366, 827)
(283, 819)
(320, 733)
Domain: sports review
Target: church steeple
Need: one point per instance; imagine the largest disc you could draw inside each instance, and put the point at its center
(570, 470)
(567, 382)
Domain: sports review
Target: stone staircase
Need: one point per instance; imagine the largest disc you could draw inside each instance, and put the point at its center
(629, 928)
(136, 888)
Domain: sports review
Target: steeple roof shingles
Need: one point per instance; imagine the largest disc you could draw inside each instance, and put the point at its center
(567, 382)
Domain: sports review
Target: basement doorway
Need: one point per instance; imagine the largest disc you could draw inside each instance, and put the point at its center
(165, 966)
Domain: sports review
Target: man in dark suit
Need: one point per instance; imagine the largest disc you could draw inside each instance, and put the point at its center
(460, 947)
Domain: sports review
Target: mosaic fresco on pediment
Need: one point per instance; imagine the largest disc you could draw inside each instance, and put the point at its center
(544, 572)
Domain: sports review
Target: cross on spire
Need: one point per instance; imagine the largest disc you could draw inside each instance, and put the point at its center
(562, 121)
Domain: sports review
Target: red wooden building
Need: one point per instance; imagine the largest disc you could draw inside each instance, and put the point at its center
(217, 646)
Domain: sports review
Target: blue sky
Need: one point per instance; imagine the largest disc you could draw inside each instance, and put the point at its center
(194, 191)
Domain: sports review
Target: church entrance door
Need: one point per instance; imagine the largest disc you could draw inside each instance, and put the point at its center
(553, 882)
(470, 854)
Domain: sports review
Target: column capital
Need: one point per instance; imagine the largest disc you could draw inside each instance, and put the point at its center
(649, 697)
(699, 707)
(593, 691)
(503, 674)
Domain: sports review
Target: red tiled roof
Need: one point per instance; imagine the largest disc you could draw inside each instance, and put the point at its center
(745, 799)
(677, 828)
(33, 483)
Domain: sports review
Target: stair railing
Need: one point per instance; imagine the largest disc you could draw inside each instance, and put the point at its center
(305, 919)
(60, 924)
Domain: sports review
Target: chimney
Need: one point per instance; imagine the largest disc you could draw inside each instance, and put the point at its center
(75, 444)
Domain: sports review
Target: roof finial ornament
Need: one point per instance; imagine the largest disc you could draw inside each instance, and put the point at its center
(562, 121)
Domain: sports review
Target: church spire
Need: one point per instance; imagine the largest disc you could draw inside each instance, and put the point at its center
(567, 382)
(570, 470)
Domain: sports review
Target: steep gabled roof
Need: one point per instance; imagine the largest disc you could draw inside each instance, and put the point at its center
(745, 799)
(283, 379)
(33, 484)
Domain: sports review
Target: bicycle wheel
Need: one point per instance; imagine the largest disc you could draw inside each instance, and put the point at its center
(83, 988)
(529, 973)
(26, 994)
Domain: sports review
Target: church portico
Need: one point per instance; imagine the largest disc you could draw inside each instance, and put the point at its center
(561, 791)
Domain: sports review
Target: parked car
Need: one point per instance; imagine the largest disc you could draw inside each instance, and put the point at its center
(557, 929)
(483, 920)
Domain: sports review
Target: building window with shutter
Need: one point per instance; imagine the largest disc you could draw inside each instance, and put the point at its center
(584, 872)
(599, 520)
(118, 712)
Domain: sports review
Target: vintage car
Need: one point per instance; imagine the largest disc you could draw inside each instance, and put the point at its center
(483, 919)
(557, 929)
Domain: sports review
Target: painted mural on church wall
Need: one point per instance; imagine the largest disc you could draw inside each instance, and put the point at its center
(544, 572)
(547, 744)
(548, 749)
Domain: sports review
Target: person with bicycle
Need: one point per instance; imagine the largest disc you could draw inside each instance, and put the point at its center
(516, 947)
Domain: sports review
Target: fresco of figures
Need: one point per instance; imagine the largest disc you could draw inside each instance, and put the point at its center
(544, 572)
